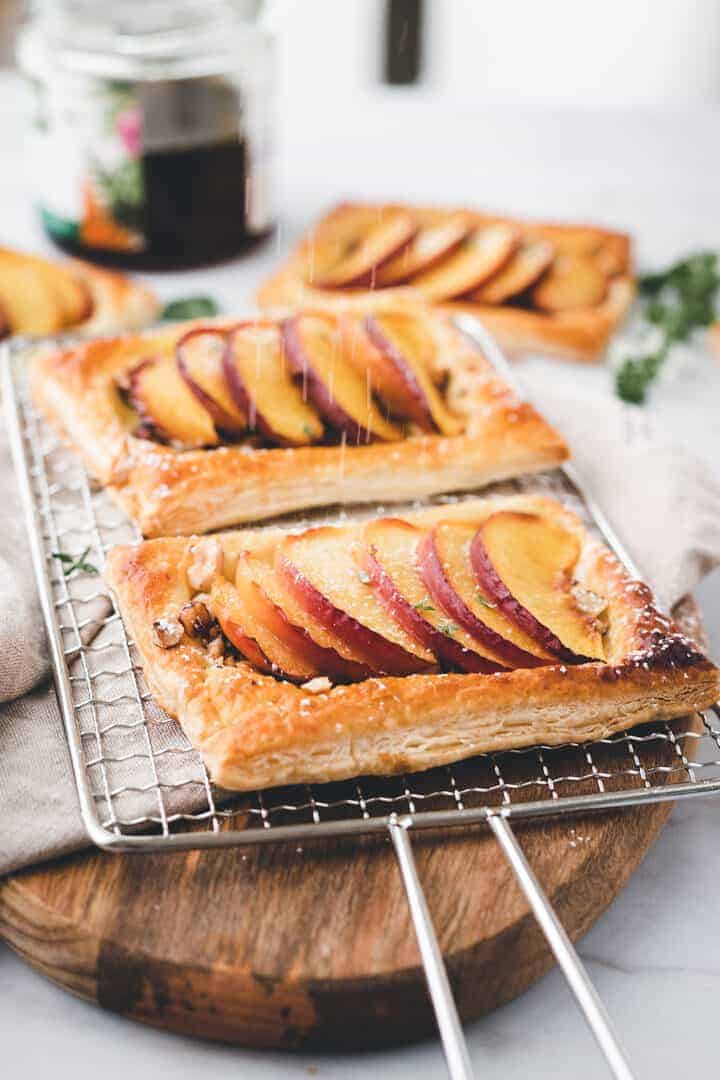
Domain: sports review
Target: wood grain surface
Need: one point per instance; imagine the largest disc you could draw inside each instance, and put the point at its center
(286, 946)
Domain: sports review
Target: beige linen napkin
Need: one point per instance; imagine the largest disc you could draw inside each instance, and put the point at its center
(23, 655)
(663, 502)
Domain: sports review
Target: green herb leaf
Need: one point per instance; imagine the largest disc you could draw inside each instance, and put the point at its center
(447, 627)
(424, 604)
(636, 374)
(677, 301)
(191, 307)
(71, 563)
(481, 600)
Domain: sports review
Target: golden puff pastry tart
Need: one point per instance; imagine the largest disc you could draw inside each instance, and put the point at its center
(556, 289)
(40, 296)
(387, 644)
(205, 425)
(714, 338)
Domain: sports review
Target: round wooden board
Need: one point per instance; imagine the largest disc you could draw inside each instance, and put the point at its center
(271, 946)
(286, 947)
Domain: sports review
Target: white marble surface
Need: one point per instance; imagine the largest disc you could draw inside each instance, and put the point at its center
(655, 956)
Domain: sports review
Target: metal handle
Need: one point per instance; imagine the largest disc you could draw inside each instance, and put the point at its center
(565, 954)
(448, 1021)
(451, 1033)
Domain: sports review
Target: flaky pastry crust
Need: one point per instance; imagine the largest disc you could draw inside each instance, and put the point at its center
(170, 492)
(256, 731)
(118, 303)
(579, 334)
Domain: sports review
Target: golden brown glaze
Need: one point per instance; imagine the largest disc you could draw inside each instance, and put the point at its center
(169, 491)
(255, 730)
(576, 334)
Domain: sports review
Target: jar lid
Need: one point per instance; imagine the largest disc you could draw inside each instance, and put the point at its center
(142, 39)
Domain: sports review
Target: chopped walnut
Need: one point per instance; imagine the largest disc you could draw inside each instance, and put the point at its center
(593, 605)
(206, 563)
(196, 618)
(216, 648)
(167, 633)
(318, 685)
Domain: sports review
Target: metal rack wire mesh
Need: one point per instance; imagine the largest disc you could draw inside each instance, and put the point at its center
(142, 787)
(142, 784)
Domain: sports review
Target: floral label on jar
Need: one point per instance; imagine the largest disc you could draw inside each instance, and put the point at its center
(88, 138)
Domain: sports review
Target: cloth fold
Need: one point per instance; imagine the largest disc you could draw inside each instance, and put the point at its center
(662, 500)
(664, 503)
(23, 654)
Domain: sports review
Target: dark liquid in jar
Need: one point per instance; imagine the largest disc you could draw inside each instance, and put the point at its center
(195, 210)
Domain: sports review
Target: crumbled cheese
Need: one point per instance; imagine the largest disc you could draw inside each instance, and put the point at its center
(167, 633)
(591, 603)
(318, 685)
(206, 564)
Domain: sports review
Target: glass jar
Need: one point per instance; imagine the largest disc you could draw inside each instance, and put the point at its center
(152, 133)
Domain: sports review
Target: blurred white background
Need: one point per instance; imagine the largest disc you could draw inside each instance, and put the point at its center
(557, 51)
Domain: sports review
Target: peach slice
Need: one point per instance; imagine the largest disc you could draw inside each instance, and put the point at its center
(226, 609)
(350, 253)
(446, 570)
(430, 244)
(321, 567)
(30, 304)
(199, 357)
(249, 579)
(70, 291)
(409, 348)
(238, 608)
(611, 252)
(479, 256)
(525, 564)
(276, 589)
(390, 560)
(261, 385)
(383, 379)
(165, 404)
(525, 267)
(313, 346)
(573, 281)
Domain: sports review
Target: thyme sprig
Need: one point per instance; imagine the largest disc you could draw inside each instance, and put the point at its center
(676, 301)
(73, 563)
(190, 307)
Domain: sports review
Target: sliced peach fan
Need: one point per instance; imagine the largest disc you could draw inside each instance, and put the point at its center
(249, 640)
(398, 597)
(311, 379)
(554, 288)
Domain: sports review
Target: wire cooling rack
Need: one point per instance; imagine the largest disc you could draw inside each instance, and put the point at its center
(142, 786)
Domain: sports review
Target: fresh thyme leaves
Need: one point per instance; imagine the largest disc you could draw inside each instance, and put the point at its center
(634, 376)
(71, 563)
(481, 600)
(677, 301)
(364, 577)
(424, 604)
(447, 627)
(190, 307)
